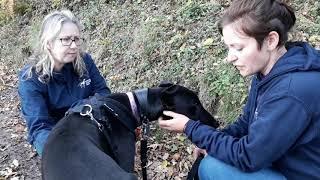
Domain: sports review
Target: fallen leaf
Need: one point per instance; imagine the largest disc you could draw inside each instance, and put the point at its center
(165, 156)
(176, 156)
(164, 163)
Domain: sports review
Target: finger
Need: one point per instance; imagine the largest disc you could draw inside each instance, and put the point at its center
(195, 154)
(169, 113)
(205, 153)
(163, 123)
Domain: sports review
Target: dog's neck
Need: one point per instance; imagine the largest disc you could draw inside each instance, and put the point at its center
(134, 106)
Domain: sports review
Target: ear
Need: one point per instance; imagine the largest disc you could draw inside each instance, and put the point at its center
(165, 84)
(272, 40)
(49, 45)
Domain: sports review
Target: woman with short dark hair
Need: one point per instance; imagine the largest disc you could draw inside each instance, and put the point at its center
(277, 136)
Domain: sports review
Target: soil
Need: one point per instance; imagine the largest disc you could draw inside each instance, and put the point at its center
(18, 160)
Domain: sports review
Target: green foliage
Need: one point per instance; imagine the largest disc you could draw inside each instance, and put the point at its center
(193, 10)
(22, 7)
(89, 15)
(151, 35)
(139, 43)
(230, 88)
(56, 4)
(4, 17)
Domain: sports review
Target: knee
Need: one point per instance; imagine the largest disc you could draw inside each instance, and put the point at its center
(212, 168)
(209, 163)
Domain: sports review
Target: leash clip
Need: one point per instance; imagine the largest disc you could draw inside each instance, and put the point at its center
(87, 111)
(145, 128)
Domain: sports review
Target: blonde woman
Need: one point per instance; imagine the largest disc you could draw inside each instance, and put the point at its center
(61, 75)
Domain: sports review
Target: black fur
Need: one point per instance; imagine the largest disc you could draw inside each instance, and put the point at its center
(76, 149)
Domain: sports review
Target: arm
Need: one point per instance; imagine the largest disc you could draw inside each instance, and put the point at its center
(98, 82)
(35, 112)
(270, 136)
(240, 127)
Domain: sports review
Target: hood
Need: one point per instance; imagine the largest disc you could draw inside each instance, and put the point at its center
(299, 57)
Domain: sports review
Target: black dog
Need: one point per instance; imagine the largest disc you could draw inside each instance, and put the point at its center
(78, 148)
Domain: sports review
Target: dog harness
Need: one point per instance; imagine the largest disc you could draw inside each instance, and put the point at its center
(93, 108)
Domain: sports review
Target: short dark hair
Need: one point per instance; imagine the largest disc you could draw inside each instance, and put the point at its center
(257, 18)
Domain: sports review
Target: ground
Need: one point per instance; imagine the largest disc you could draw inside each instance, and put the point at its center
(17, 159)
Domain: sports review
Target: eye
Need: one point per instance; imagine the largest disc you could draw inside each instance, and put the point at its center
(76, 39)
(65, 39)
(195, 103)
(239, 49)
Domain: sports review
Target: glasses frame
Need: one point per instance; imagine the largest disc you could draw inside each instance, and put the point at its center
(77, 41)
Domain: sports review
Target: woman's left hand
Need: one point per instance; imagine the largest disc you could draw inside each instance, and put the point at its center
(177, 123)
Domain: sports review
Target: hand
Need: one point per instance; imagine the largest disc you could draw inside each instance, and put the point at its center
(176, 124)
(197, 151)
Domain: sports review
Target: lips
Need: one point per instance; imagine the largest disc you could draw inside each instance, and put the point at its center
(237, 66)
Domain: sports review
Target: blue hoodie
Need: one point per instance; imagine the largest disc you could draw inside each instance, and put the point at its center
(44, 104)
(280, 124)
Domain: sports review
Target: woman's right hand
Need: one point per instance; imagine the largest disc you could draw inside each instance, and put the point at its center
(197, 152)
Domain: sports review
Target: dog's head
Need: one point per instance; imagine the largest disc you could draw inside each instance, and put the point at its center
(173, 97)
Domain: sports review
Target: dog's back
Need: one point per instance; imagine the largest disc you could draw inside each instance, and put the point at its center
(76, 149)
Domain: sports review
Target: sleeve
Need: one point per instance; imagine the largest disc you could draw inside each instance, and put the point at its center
(240, 127)
(271, 134)
(35, 112)
(98, 82)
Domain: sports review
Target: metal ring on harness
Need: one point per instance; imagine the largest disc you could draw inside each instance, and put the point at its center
(86, 110)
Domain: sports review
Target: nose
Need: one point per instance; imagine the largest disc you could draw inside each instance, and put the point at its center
(73, 45)
(231, 57)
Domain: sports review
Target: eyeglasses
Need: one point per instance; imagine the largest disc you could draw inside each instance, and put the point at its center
(67, 41)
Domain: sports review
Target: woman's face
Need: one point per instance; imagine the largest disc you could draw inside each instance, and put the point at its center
(65, 48)
(243, 52)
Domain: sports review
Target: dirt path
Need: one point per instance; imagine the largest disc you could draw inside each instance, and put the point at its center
(18, 161)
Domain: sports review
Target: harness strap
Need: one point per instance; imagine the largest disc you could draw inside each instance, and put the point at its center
(95, 109)
(108, 104)
(86, 110)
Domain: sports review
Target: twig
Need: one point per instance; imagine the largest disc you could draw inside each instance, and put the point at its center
(4, 84)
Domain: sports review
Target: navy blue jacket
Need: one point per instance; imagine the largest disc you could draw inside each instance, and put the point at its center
(280, 124)
(44, 104)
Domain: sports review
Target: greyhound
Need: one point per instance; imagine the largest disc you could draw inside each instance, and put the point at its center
(101, 145)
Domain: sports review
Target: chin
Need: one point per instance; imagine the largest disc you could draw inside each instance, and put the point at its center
(69, 60)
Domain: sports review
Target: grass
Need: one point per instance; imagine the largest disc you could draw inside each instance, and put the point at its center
(140, 43)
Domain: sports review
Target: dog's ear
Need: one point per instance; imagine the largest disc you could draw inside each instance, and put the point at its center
(165, 84)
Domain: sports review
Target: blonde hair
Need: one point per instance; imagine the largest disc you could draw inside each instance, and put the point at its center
(43, 63)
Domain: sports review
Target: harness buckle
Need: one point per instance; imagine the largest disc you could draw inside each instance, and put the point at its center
(87, 111)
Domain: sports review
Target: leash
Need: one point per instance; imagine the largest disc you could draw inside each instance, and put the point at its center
(144, 146)
(193, 173)
(142, 97)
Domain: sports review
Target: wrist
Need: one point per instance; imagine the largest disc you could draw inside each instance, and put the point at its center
(185, 126)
